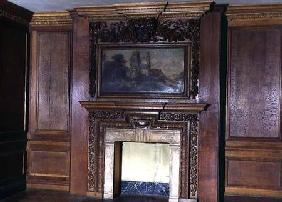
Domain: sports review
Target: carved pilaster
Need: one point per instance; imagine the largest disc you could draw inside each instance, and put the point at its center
(193, 157)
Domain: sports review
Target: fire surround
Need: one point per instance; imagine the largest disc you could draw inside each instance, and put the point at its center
(135, 117)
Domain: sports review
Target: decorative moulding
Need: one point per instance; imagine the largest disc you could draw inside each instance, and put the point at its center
(121, 12)
(51, 19)
(137, 10)
(133, 106)
(254, 15)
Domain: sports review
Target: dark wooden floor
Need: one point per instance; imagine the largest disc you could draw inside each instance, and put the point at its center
(56, 196)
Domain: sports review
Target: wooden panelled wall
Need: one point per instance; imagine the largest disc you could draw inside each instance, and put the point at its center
(253, 147)
(13, 73)
(253, 136)
(49, 127)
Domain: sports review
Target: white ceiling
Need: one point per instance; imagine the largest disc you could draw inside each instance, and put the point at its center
(60, 5)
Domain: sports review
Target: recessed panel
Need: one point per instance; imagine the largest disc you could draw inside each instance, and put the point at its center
(48, 163)
(255, 174)
(255, 83)
(53, 76)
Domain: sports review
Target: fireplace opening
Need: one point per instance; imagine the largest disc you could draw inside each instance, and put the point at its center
(148, 159)
(145, 169)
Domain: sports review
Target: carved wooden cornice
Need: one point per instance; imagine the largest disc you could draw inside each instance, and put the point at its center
(254, 15)
(45, 19)
(14, 13)
(135, 106)
(137, 10)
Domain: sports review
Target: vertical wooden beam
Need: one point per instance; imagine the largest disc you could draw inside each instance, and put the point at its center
(209, 92)
(80, 91)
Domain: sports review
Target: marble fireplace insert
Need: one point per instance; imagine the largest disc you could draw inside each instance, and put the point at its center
(114, 135)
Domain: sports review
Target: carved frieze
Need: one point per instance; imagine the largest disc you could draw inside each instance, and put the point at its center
(176, 116)
(108, 114)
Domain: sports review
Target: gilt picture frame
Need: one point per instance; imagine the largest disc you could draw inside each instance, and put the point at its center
(143, 70)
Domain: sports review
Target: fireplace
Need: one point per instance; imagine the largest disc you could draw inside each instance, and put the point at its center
(114, 135)
(112, 123)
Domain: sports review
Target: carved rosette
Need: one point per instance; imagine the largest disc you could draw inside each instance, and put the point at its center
(147, 30)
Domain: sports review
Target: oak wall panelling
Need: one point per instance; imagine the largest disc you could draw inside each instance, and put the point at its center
(253, 135)
(209, 92)
(56, 38)
(50, 105)
(13, 73)
(80, 129)
(81, 62)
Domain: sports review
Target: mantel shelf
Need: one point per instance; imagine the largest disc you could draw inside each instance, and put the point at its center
(142, 106)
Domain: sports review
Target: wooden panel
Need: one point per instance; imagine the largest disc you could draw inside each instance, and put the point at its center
(254, 79)
(49, 163)
(253, 168)
(253, 174)
(80, 91)
(48, 146)
(209, 92)
(250, 199)
(53, 76)
(253, 148)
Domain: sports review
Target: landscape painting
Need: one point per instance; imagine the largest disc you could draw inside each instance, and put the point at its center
(131, 70)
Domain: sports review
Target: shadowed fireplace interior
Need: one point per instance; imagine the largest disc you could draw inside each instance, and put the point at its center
(150, 164)
(145, 169)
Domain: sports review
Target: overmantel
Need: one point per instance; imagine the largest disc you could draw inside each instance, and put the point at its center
(144, 106)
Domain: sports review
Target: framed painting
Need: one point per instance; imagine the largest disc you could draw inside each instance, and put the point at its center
(144, 70)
